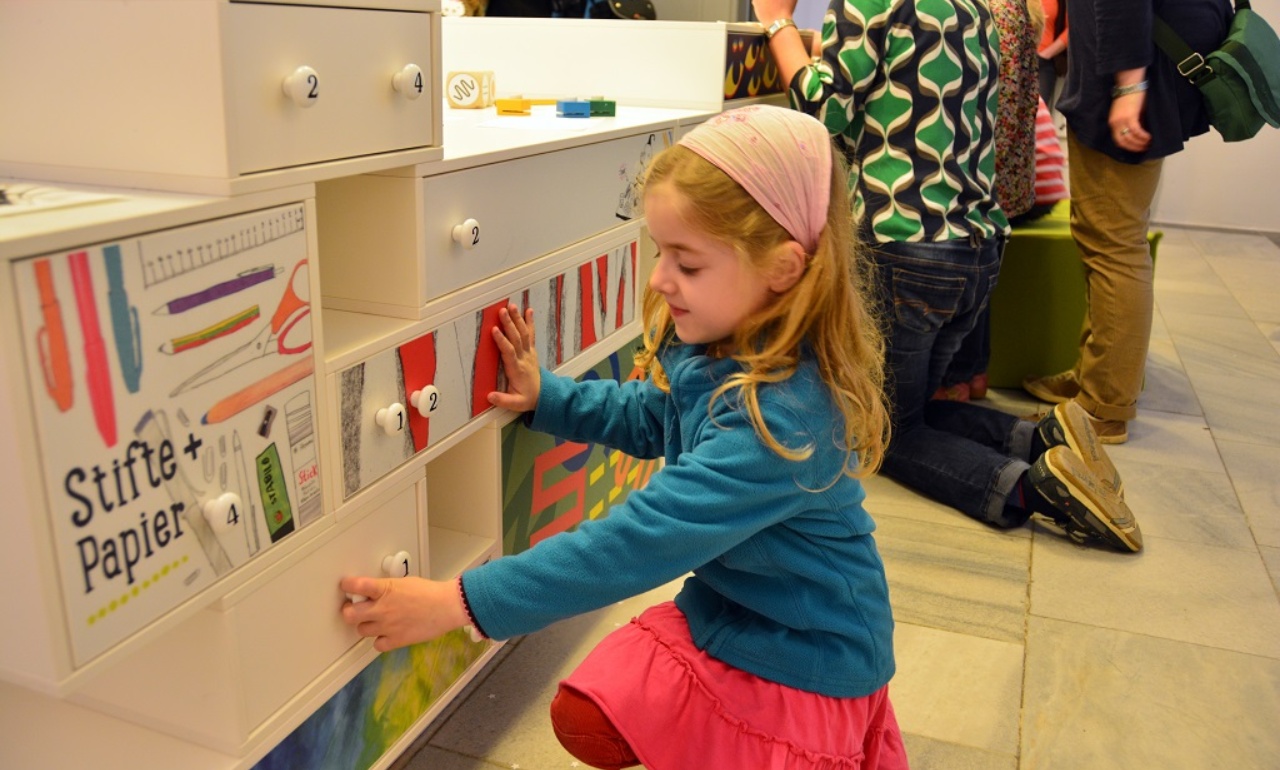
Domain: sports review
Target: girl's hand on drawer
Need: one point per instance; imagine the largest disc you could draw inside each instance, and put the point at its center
(514, 336)
(402, 611)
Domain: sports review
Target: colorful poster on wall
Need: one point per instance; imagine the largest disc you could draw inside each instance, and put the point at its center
(173, 389)
(551, 485)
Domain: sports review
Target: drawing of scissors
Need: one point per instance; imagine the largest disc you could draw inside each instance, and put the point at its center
(273, 338)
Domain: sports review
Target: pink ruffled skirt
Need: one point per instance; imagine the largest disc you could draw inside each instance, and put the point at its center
(681, 709)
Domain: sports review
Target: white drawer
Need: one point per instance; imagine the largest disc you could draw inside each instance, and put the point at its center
(351, 104)
(226, 673)
(580, 296)
(199, 102)
(392, 245)
(166, 370)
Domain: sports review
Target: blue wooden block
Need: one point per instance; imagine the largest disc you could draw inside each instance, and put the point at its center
(573, 108)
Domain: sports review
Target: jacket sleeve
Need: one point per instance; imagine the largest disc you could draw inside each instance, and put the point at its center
(829, 88)
(626, 416)
(714, 497)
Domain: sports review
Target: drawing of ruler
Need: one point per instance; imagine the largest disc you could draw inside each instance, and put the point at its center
(158, 268)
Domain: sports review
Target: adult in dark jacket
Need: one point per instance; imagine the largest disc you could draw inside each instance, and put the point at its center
(1127, 108)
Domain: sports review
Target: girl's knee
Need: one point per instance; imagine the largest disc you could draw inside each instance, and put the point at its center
(586, 732)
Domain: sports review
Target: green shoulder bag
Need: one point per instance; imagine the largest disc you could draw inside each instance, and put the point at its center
(1240, 82)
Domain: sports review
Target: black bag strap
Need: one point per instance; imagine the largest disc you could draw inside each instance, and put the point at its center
(1191, 65)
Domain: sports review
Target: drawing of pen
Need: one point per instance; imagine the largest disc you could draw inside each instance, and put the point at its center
(274, 383)
(55, 359)
(124, 320)
(98, 375)
(219, 290)
(210, 333)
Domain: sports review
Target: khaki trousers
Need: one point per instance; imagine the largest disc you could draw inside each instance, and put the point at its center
(1110, 214)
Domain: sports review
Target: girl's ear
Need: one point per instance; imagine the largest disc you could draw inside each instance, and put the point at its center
(788, 268)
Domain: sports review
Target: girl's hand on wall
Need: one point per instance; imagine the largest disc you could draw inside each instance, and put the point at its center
(514, 335)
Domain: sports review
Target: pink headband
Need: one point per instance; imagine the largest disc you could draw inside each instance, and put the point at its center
(781, 157)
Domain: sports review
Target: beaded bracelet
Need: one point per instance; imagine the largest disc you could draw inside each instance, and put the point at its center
(1132, 88)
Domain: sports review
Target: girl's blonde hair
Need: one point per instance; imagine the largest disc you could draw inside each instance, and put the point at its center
(825, 314)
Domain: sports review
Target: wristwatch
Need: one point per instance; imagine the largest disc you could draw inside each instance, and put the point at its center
(777, 27)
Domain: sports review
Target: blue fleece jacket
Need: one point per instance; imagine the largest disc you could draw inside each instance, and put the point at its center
(786, 581)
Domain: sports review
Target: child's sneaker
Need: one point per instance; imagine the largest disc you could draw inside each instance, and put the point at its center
(1079, 502)
(1054, 389)
(1068, 424)
(957, 392)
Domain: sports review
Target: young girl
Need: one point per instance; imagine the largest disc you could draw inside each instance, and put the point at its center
(764, 397)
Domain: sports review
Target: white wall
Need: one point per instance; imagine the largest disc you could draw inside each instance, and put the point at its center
(1215, 184)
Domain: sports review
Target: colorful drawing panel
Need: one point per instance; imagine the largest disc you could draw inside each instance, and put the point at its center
(749, 69)
(363, 720)
(457, 365)
(167, 373)
(550, 485)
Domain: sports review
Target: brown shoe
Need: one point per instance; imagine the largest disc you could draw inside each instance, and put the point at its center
(1053, 389)
(1070, 425)
(1110, 431)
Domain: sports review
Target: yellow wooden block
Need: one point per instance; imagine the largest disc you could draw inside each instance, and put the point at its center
(469, 90)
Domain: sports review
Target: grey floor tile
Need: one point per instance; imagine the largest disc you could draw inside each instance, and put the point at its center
(1271, 557)
(1190, 592)
(1253, 472)
(1239, 406)
(1188, 504)
(960, 580)
(1167, 387)
(957, 688)
(1108, 700)
(929, 754)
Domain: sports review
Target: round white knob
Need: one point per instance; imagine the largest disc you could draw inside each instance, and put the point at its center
(303, 86)
(409, 82)
(467, 234)
(426, 400)
(391, 419)
(397, 565)
(222, 512)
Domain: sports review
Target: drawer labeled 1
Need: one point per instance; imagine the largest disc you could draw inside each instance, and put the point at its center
(173, 388)
(398, 402)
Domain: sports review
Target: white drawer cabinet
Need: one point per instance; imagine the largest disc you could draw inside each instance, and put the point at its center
(394, 244)
(169, 377)
(224, 675)
(414, 395)
(215, 96)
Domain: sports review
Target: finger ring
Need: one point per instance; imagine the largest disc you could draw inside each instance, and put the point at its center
(1124, 131)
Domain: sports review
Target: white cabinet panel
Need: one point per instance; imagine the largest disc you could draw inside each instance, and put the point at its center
(168, 371)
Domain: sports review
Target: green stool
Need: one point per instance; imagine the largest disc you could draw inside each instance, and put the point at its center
(1038, 306)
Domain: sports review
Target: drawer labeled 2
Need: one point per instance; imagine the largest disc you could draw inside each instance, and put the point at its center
(171, 376)
(397, 403)
(394, 244)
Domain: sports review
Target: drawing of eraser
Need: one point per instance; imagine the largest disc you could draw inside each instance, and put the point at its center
(469, 90)
(573, 108)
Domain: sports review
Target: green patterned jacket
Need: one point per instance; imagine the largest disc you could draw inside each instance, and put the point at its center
(909, 88)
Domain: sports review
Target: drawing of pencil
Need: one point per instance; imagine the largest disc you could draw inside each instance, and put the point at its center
(274, 383)
(55, 358)
(98, 375)
(124, 320)
(219, 290)
(210, 333)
